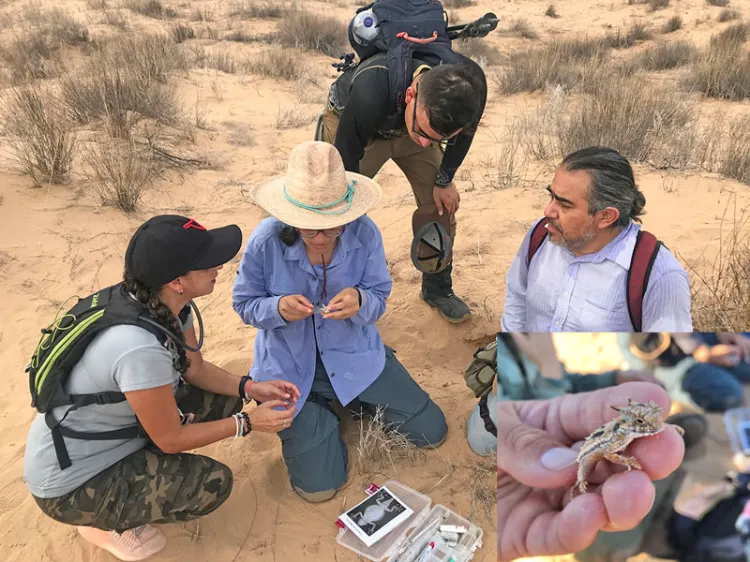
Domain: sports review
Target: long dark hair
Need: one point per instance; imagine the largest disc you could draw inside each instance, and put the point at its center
(161, 314)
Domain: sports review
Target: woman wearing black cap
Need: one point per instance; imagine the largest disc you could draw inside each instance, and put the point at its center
(113, 488)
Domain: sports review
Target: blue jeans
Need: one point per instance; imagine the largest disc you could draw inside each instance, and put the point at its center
(716, 388)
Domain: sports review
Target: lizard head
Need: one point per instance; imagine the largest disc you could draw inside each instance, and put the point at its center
(641, 419)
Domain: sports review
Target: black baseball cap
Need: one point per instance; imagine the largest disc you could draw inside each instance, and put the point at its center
(431, 248)
(167, 246)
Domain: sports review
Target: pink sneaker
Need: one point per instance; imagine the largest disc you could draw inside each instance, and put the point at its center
(131, 545)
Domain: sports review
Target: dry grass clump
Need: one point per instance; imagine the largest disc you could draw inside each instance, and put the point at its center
(381, 446)
(36, 54)
(663, 56)
(654, 5)
(672, 24)
(619, 40)
(223, 61)
(291, 118)
(256, 10)
(721, 297)
(479, 51)
(181, 33)
(522, 28)
(283, 64)
(551, 12)
(720, 3)
(565, 62)
(305, 30)
(735, 156)
(628, 113)
(119, 172)
(732, 36)
(126, 83)
(40, 134)
(728, 14)
(150, 8)
(723, 69)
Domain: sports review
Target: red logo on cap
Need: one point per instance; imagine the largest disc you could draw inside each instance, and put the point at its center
(192, 224)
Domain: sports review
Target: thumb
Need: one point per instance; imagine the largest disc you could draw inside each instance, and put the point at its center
(531, 455)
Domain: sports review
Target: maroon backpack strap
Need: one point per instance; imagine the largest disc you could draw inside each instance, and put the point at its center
(644, 255)
(537, 237)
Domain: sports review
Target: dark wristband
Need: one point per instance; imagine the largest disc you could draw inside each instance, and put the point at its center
(243, 383)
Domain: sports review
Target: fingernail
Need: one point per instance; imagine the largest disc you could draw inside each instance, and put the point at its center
(559, 457)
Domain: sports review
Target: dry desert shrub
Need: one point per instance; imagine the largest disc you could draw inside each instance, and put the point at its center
(36, 54)
(181, 33)
(663, 56)
(40, 134)
(284, 64)
(150, 8)
(223, 61)
(551, 12)
(127, 82)
(672, 24)
(565, 62)
(479, 51)
(627, 113)
(119, 172)
(735, 155)
(720, 294)
(257, 10)
(728, 14)
(720, 3)
(732, 36)
(305, 30)
(624, 40)
(382, 446)
(654, 5)
(723, 69)
(522, 28)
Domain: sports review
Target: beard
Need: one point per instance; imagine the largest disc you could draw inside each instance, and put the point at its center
(572, 244)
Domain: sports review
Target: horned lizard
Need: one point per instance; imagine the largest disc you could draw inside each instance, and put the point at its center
(636, 420)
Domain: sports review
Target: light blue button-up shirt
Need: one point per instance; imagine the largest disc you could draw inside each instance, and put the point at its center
(351, 350)
(564, 293)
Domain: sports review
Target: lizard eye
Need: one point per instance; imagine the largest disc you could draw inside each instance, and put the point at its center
(638, 420)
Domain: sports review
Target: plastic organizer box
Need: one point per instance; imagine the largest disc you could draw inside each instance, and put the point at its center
(396, 545)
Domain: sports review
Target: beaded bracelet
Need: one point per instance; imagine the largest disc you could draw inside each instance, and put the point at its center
(242, 421)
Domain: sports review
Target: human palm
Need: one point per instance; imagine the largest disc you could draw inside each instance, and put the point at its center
(536, 469)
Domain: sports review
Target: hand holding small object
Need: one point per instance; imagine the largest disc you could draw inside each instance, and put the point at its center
(344, 305)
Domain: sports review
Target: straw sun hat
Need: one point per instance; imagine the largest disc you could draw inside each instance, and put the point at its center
(316, 192)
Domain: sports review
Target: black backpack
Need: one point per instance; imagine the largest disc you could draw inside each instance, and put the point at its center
(408, 30)
(62, 345)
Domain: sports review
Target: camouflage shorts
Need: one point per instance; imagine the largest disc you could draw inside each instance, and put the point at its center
(150, 486)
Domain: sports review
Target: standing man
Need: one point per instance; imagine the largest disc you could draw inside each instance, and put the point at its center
(428, 139)
(585, 275)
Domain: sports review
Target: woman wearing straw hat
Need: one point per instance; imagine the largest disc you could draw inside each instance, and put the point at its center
(313, 279)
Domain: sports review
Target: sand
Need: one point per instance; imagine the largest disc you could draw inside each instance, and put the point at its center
(58, 241)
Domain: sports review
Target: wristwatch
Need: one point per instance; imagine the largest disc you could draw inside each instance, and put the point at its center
(443, 180)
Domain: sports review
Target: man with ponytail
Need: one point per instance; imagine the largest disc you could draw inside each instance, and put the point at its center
(154, 381)
(593, 268)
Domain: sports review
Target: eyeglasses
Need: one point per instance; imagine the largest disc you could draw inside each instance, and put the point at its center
(330, 232)
(447, 141)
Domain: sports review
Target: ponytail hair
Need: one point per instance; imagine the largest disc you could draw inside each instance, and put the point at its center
(160, 313)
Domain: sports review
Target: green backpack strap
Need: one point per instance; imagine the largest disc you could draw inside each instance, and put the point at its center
(480, 373)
